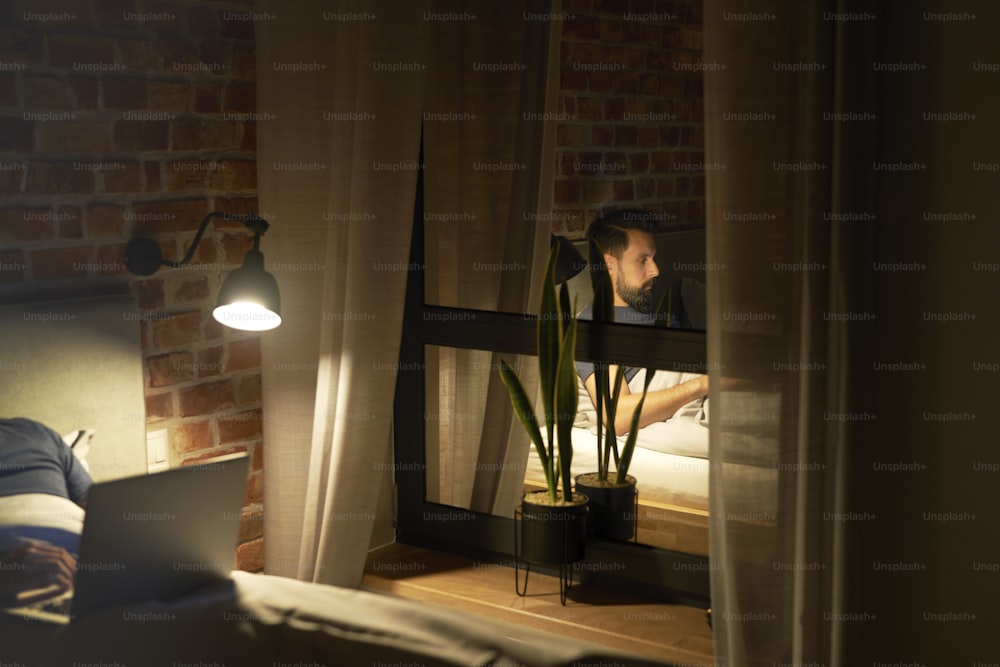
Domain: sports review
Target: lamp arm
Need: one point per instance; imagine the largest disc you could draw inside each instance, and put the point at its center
(251, 221)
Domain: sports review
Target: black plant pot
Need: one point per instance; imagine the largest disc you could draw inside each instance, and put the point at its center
(551, 534)
(612, 506)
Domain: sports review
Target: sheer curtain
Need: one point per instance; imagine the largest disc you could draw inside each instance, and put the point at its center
(486, 243)
(344, 93)
(775, 565)
(339, 134)
(834, 204)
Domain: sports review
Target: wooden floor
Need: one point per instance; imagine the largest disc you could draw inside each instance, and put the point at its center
(667, 632)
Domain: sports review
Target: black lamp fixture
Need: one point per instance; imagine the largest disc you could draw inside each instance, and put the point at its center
(248, 298)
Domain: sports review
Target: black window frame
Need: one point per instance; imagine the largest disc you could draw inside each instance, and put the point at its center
(671, 575)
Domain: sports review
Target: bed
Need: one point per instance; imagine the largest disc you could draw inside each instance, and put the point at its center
(251, 619)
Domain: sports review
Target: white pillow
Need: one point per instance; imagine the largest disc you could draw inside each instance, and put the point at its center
(79, 442)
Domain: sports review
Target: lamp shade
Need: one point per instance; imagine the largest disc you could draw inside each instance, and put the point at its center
(249, 298)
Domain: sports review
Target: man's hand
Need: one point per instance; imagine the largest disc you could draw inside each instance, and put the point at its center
(35, 571)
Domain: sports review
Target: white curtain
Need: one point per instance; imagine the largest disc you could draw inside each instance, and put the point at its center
(846, 206)
(340, 92)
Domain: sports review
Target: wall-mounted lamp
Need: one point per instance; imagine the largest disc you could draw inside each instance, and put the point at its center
(248, 298)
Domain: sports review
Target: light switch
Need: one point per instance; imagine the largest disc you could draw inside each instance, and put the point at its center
(156, 451)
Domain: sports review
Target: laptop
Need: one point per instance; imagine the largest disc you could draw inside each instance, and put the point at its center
(153, 537)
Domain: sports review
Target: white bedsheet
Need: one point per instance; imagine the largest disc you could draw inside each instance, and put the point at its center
(262, 620)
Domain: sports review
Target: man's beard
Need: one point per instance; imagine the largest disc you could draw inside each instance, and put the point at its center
(637, 297)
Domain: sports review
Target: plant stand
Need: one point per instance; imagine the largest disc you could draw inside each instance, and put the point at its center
(549, 535)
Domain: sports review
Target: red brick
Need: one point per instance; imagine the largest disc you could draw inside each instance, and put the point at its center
(48, 93)
(249, 141)
(598, 192)
(74, 136)
(52, 263)
(203, 21)
(177, 54)
(251, 526)
(70, 222)
(203, 134)
(581, 27)
(601, 82)
(670, 136)
(170, 17)
(665, 187)
(250, 556)
(671, 85)
(111, 260)
(187, 174)
(151, 174)
(240, 98)
(59, 178)
(610, 29)
(176, 330)
(566, 191)
(651, 34)
(638, 163)
(649, 137)
(634, 59)
(572, 80)
(17, 135)
(124, 93)
(12, 267)
(159, 406)
(602, 135)
(208, 97)
(112, 13)
(11, 178)
(27, 224)
(170, 95)
(248, 391)
(18, 46)
(148, 293)
(140, 55)
(572, 135)
(624, 190)
(243, 354)
(618, 7)
(255, 489)
(65, 52)
(237, 427)
(626, 83)
(192, 436)
(126, 179)
(185, 290)
(205, 256)
(234, 175)
(85, 92)
(206, 399)
(168, 216)
(649, 84)
(590, 108)
(683, 110)
(662, 161)
(244, 64)
(106, 220)
(170, 369)
(210, 363)
(645, 188)
(626, 135)
(631, 32)
(215, 56)
(234, 248)
(8, 89)
(234, 205)
(141, 135)
(236, 25)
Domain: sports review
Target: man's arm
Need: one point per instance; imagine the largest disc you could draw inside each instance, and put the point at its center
(660, 404)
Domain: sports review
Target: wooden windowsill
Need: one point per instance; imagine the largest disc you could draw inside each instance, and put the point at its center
(646, 627)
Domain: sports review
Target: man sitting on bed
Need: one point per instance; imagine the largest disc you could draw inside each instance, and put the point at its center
(43, 492)
(674, 417)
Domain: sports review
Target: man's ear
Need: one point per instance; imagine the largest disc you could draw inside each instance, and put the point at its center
(611, 262)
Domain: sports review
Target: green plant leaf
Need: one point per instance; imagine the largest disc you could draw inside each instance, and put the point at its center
(566, 402)
(526, 415)
(549, 339)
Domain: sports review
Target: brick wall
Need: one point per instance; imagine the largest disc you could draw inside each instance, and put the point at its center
(120, 118)
(631, 129)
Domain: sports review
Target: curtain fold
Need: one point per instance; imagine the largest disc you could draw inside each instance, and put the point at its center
(785, 172)
(337, 165)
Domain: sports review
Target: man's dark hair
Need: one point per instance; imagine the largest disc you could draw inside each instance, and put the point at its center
(611, 231)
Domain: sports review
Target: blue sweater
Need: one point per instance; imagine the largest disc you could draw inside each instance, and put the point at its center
(34, 459)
